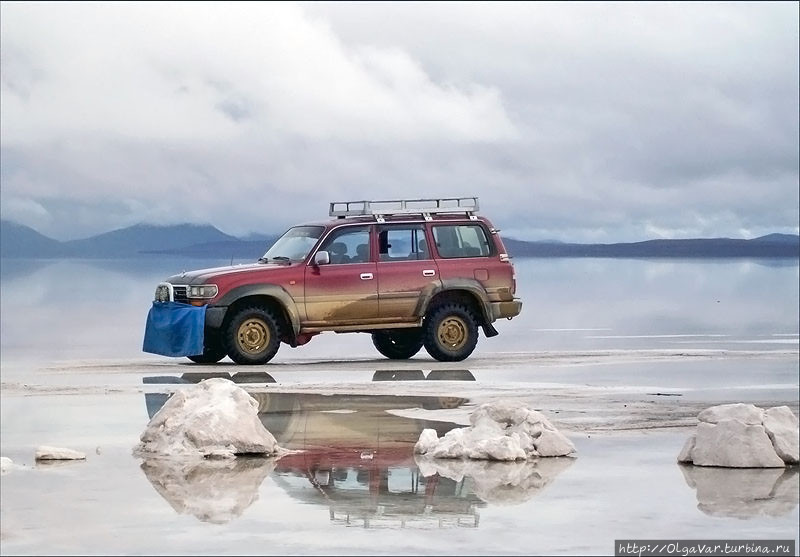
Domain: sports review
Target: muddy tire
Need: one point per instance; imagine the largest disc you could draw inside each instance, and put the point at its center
(213, 350)
(398, 344)
(451, 333)
(252, 336)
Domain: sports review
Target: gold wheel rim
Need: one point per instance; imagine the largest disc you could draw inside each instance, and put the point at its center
(253, 336)
(452, 333)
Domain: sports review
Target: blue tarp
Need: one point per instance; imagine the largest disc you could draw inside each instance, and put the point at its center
(174, 329)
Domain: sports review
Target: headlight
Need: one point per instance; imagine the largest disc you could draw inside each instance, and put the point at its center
(163, 292)
(202, 291)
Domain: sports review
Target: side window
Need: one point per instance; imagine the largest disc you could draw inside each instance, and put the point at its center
(348, 245)
(403, 243)
(467, 240)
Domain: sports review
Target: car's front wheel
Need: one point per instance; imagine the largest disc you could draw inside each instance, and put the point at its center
(451, 333)
(252, 336)
(213, 350)
(398, 344)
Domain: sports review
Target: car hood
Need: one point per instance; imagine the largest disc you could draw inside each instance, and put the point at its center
(203, 276)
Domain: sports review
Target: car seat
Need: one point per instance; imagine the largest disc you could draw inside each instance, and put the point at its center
(338, 251)
(422, 250)
(362, 254)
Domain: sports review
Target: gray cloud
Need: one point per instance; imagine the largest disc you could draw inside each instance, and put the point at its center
(578, 122)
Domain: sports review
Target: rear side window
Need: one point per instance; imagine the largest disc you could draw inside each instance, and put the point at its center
(403, 243)
(463, 240)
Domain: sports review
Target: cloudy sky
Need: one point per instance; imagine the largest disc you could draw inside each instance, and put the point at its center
(578, 122)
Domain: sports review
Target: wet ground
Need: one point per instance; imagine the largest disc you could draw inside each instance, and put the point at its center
(357, 488)
(620, 355)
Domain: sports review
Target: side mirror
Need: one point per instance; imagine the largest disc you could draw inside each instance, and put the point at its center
(322, 258)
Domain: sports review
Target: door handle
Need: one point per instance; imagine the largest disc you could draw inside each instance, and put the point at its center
(366, 276)
(428, 273)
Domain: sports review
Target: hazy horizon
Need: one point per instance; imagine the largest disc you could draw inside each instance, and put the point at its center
(259, 235)
(590, 123)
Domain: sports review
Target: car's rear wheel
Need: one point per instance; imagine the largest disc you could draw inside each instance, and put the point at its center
(398, 344)
(252, 336)
(451, 333)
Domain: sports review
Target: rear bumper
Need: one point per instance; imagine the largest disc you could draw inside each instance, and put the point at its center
(506, 309)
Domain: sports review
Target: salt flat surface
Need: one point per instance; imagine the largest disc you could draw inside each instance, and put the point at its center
(621, 356)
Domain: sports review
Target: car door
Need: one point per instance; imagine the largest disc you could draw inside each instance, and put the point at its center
(405, 269)
(344, 291)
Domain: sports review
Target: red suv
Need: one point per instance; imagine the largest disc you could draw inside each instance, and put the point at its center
(411, 273)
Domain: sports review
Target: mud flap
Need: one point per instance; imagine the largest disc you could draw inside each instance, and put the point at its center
(489, 330)
(174, 329)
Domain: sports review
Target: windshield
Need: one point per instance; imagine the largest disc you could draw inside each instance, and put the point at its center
(294, 245)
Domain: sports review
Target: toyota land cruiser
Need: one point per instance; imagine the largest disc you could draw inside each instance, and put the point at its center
(412, 273)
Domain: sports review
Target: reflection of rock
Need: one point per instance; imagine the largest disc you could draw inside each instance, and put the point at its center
(743, 493)
(214, 417)
(743, 436)
(499, 483)
(213, 490)
(501, 430)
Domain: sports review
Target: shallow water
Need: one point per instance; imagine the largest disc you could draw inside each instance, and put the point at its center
(601, 346)
(357, 488)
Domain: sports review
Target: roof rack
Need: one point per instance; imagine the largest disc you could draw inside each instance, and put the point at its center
(425, 207)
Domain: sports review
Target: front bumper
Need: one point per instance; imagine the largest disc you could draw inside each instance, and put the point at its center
(506, 309)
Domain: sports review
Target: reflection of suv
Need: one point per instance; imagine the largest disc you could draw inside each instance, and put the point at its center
(411, 273)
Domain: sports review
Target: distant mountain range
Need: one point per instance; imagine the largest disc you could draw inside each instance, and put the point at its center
(771, 245)
(206, 241)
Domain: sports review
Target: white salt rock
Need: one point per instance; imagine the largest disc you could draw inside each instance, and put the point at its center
(686, 452)
(503, 412)
(214, 417)
(5, 464)
(553, 443)
(496, 448)
(746, 413)
(535, 417)
(452, 445)
(45, 452)
(782, 427)
(501, 430)
(733, 444)
(526, 440)
(428, 439)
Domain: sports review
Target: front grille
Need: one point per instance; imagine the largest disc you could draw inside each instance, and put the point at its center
(179, 293)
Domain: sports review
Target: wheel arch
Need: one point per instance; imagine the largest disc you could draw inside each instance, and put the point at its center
(270, 296)
(466, 291)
